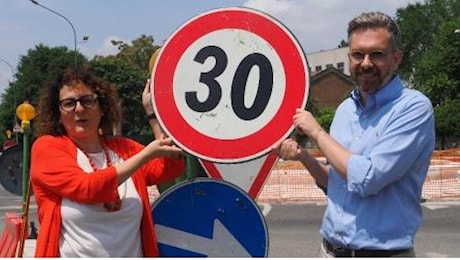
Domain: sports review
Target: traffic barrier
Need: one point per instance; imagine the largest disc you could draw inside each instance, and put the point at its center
(11, 235)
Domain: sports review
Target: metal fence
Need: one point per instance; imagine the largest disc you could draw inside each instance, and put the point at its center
(290, 182)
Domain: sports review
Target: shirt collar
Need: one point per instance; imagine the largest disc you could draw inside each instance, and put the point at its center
(379, 98)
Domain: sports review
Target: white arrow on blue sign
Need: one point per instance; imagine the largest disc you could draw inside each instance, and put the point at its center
(208, 217)
(222, 242)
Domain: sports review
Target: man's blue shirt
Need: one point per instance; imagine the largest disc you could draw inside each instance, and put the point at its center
(391, 138)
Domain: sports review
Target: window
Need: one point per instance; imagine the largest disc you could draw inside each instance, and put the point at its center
(328, 65)
(318, 68)
(340, 66)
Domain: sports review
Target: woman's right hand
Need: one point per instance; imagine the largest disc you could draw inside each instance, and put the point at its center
(155, 149)
(164, 148)
(147, 98)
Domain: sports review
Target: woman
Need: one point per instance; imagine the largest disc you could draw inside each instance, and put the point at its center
(90, 189)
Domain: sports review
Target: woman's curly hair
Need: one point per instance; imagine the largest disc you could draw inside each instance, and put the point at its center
(48, 115)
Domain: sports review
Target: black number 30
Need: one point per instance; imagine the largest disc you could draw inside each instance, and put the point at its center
(238, 86)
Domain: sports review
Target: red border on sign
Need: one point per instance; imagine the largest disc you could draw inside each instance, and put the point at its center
(259, 180)
(258, 143)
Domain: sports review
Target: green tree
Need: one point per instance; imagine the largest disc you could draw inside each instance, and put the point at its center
(130, 83)
(129, 70)
(438, 76)
(312, 106)
(432, 58)
(447, 121)
(138, 53)
(438, 70)
(325, 117)
(34, 70)
(342, 44)
(420, 24)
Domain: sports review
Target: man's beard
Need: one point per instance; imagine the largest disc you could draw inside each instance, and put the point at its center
(368, 80)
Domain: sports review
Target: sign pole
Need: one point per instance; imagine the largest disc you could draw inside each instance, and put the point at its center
(25, 112)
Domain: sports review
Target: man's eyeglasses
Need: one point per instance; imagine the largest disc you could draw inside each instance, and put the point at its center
(374, 56)
(87, 101)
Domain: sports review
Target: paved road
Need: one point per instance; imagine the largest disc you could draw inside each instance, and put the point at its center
(293, 229)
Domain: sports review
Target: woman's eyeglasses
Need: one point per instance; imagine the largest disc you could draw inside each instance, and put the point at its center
(374, 56)
(87, 101)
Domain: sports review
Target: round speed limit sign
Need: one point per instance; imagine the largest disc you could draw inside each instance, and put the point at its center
(226, 84)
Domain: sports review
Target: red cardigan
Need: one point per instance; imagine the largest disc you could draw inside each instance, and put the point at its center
(55, 174)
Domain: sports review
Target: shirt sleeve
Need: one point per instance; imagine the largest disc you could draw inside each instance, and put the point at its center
(405, 145)
(157, 170)
(161, 170)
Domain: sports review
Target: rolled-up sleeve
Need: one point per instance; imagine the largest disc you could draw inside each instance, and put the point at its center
(401, 141)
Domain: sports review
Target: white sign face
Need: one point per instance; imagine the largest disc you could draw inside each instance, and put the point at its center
(220, 121)
(226, 84)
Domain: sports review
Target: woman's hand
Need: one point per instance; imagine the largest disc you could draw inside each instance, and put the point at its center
(158, 133)
(164, 148)
(147, 98)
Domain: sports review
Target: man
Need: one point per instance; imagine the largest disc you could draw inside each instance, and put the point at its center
(378, 150)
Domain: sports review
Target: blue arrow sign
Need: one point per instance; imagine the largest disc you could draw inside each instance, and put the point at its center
(209, 217)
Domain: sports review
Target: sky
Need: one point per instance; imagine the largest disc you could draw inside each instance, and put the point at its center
(316, 24)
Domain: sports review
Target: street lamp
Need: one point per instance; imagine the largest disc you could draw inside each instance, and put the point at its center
(65, 18)
(15, 121)
(84, 39)
(457, 31)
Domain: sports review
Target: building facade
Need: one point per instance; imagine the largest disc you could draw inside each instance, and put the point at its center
(329, 87)
(321, 60)
(330, 81)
